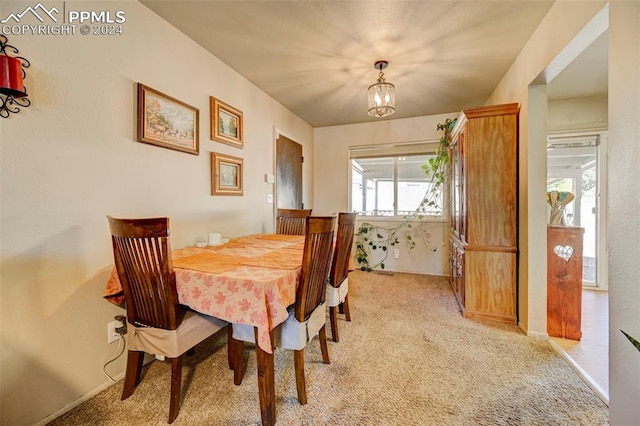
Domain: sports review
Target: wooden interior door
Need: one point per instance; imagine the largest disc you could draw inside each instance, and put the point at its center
(288, 174)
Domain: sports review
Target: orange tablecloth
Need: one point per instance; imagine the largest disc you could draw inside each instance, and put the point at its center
(249, 280)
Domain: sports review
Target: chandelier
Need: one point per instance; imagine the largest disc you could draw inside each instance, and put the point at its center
(381, 95)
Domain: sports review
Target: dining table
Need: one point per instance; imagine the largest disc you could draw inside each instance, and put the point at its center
(247, 280)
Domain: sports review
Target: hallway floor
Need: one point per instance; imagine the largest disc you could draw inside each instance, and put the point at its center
(591, 353)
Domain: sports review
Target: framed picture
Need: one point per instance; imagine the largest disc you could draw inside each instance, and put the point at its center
(166, 121)
(226, 174)
(226, 123)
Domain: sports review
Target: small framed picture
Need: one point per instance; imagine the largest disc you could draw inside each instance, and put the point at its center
(226, 174)
(226, 123)
(167, 122)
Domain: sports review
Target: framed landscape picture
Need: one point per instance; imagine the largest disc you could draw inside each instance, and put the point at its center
(226, 123)
(166, 121)
(226, 174)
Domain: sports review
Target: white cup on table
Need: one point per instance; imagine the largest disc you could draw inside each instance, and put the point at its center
(214, 238)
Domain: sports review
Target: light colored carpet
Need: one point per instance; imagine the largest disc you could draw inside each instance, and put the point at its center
(407, 358)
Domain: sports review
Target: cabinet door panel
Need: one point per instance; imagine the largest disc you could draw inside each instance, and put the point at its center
(491, 175)
(456, 271)
(489, 278)
(461, 276)
(455, 186)
(462, 220)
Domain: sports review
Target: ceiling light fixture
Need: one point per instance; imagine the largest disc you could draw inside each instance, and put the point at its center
(381, 95)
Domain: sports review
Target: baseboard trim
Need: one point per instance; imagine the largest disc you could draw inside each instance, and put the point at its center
(84, 398)
(534, 334)
(583, 374)
(79, 401)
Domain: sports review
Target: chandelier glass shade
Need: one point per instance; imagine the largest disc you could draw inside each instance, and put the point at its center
(381, 95)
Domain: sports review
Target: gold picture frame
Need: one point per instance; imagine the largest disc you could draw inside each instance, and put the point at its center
(165, 121)
(227, 124)
(226, 174)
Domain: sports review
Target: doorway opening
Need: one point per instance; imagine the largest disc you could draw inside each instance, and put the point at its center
(573, 166)
(568, 111)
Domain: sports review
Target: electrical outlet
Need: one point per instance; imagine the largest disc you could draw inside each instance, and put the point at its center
(112, 334)
(396, 253)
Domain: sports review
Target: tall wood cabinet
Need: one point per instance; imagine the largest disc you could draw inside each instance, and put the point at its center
(483, 239)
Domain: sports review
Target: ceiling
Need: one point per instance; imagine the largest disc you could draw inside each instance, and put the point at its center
(316, 57)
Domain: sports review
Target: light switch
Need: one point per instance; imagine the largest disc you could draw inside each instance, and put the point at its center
(269, 178)
(269, 198)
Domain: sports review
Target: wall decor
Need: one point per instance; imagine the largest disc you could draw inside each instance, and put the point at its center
(226, 174)
(226, 123)
(166, 121)
(12, 75)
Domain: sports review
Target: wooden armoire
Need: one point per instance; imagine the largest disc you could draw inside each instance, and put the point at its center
(483, 239)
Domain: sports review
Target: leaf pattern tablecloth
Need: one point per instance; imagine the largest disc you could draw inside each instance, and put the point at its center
(250, 280)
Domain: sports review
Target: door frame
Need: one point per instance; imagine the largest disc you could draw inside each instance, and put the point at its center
(602, 272)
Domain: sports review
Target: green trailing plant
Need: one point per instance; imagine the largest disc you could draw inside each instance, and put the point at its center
(371, 238)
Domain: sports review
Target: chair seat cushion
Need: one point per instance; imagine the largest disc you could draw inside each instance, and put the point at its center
(336, 295)
(291, 334)
(195, 327)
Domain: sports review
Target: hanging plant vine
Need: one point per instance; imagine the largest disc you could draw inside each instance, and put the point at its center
(371, 238)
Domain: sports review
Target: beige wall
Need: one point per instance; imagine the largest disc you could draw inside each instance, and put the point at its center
(624, 204)
(71, 158)
(331, 189)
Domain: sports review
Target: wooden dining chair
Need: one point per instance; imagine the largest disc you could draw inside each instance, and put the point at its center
(157, 323)
(291, 221)
(338, 285)
(307, 316)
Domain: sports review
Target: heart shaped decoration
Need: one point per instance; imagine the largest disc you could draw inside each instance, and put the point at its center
(564, 252)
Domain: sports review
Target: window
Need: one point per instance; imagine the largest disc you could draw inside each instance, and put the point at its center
(390, 185)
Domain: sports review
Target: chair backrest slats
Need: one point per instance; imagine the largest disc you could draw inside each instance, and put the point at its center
(316, 263)
(142, 254)
(291, 221)
(344, 244)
